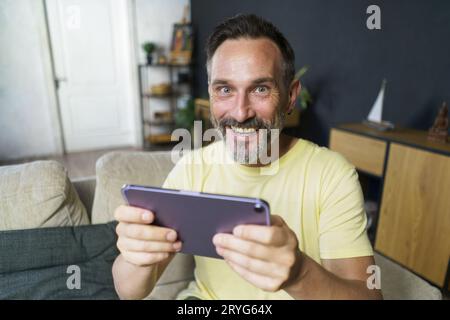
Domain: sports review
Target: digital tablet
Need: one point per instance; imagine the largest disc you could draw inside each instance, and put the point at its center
(197, 216)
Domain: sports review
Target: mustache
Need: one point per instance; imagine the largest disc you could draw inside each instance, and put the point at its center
(248, 123)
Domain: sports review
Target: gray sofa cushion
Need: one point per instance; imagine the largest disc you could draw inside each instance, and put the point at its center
(38, 194)
(34, 263)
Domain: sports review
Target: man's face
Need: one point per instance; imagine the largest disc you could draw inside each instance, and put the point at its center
(247, 95)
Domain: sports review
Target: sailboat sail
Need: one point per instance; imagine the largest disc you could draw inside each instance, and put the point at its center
(376, 112)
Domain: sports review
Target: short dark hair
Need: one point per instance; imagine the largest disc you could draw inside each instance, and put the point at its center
(252, 27)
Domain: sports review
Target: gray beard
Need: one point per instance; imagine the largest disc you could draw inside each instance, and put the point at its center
(266, 149)
(247, 153)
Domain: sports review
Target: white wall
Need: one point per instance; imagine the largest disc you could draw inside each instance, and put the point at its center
(28, 112)
(28, 120)
(154, 22)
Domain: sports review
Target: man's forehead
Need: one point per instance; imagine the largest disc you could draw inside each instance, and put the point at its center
(243, 43)
(257, 80)
(246, 58)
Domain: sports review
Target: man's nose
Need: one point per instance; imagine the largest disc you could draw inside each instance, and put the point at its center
(242, 110)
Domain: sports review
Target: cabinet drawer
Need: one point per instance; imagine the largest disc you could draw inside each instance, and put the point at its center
(366, 154)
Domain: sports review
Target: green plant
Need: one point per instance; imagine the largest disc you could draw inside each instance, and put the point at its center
(185, 117)
(149, 47)
(304, 98)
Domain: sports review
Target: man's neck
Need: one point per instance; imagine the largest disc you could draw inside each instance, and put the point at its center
(285, 142)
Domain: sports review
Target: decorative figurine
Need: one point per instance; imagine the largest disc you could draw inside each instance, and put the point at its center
(374, 119)
(439, 131)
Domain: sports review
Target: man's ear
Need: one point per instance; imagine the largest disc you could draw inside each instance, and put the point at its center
(294, 92)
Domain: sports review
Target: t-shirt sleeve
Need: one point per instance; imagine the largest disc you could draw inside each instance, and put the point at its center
(342, 223)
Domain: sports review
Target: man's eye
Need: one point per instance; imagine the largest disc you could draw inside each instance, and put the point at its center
(224, 90)
(261, 89)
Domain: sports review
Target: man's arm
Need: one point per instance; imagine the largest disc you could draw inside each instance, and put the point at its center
(334, 279)
(269, 258)
(134, 282)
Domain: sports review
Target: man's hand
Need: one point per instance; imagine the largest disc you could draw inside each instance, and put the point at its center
(145, 250)
(269, 258)
(266, 256)
(141, 243)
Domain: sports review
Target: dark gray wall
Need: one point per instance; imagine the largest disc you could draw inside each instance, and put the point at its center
(347, 61)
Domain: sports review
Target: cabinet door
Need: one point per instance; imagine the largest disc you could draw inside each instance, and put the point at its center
(414, 223)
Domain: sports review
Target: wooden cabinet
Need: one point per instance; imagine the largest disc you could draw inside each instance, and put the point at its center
(414, 225)
(350, 146)
(414, 219)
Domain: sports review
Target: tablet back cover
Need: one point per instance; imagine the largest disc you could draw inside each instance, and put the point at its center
(197, 217)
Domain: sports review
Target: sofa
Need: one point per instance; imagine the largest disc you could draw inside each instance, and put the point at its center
(53, 202)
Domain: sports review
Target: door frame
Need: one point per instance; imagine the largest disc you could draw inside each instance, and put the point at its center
(133, 63)
(49, 70)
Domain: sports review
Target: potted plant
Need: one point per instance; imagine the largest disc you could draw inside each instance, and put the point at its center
(149, 48)
(304, 98)
(185, 115)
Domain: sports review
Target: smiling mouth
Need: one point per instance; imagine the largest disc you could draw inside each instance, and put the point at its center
(243, 131)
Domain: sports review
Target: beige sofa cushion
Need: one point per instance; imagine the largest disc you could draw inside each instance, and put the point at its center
(397, 283)
(146, 168)
(38, 194)
(115, 169)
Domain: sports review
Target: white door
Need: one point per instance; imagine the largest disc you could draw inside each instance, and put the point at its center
(92, 52)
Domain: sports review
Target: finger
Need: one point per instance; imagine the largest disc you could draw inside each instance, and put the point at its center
(133, 215)
(143, 258)
(129, 244)
(146, 232)
(276, 220)
(260, 267)
(246, 247)
(260, 281)
(268, 235)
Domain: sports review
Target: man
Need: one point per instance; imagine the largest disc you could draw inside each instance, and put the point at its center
(316, 246)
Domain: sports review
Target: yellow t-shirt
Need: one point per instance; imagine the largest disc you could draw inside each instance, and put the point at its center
(316, 191)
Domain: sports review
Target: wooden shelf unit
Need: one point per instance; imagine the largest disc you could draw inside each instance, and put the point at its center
(147, 112)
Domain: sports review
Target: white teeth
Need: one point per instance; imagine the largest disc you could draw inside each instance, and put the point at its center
(243, 130)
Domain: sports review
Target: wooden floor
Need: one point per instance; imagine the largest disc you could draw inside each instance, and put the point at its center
(82, 164)
(78, 164)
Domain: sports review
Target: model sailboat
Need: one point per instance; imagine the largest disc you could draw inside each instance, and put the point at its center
(375, 118)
